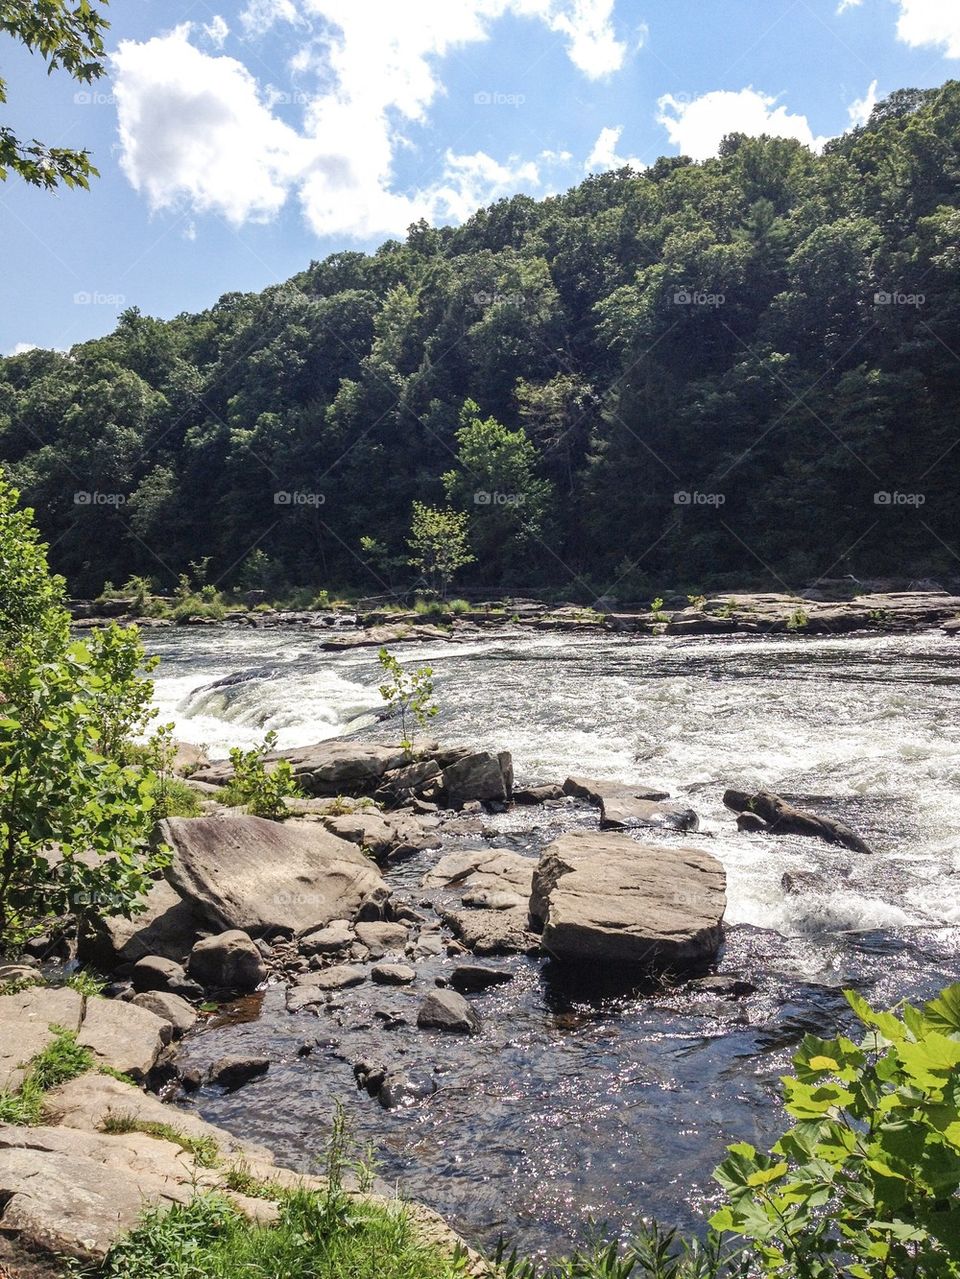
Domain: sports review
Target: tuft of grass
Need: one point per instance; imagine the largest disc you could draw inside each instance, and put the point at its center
(205, 1151)
(241, 1181)
(176, 799)
(85, 983)
(62, 1059)
(117, 1074)
(317, 1236)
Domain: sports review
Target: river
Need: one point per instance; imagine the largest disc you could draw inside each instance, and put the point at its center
(574, 1107)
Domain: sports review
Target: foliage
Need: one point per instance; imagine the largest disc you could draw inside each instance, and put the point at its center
(172, 796)
(438, 544)
(66, 38)
(204, 1150)
(656, 611)
(62, 1059)
(653, 1253)
(798, 620)
(410, 693)
(259, 788)
(867, 1182)
(75, 821)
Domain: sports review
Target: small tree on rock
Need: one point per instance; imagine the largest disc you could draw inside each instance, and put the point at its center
(439, 545)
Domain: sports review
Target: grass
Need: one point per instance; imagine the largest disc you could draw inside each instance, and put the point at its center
(653, 1253)
(87, 984)
(317, 1236)
(241, 1181)
(205, 1151)
(175, 798)
(62, 1059)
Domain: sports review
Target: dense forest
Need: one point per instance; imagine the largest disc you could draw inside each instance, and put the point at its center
(742, 369)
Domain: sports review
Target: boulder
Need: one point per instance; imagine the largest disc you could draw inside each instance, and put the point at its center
(448, 1010)
(538, 794)
(627, 812)
(26, 1019)
(167, 926)
(478, 776)
(494, 889)
(782, 818)
(228, 961)
(123, 1036)
(384, 836)
(261, 876)
(329, 940)
(170, 1007)
(232, 1072)
(188, 758)
(470, 978)
(393, 974)
(405, 1089)
(153, 972)
(596, 791)
(379, 938)
(334, 767)
(608, 900)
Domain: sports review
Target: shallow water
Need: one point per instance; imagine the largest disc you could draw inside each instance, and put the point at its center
(572, 1107)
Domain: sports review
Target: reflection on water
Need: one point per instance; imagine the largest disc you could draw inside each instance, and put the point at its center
(571, 1107)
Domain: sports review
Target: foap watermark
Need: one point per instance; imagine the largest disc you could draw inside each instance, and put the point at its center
(94, 98)
(298, 497)
(691, 497)
(497, 98)
(498, 299)
(484, 497)
(697, 297)
(93, 497)
(896, 298)
(883, 498)
(95, 298)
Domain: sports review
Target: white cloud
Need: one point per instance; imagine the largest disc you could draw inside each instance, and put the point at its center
(698, 126)
(860, 109)
(197, 131)
(604, 154)
(23, 347)
(844, 5)
(930, 22)
(216, 30)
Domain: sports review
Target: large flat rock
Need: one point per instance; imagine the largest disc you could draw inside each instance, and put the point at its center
(627, 812)
(263, 876)
(26, 1021)
(122, 1035)
(605, 899)
(493, 887)
(335, 767)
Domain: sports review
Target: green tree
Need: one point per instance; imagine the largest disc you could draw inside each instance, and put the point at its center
(438, 544)
(69, 39)
(409, 692)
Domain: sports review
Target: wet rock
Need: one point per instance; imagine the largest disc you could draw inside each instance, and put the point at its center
(340, 977)
(606, 899)
(403, 1089)
(170, 1008)
(470, 978)
(153, 972)
(369, 1075)
(393, 974)
(797, 882)
(538, 794)
(233, 1072)
(379, 938)
(627, 812)
(228, 961)
(330, 940)
(751, 823)
(724, 985)
(478, 776)
(263, 877)
(448, 1010)
(783, 818)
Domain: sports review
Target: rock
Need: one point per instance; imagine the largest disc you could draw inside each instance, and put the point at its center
(228, 961)
(168, 926)
(262, 876)
(448, 1010)
(606, 899)
(26, 1019)
(170, 1007)
(329, 940)
(724, 985)
(188, 758)
(233, 1072)
(153, 972)
(797, 882)
(404, 1089)
(10, 973)
(334, 767)
(469, 978)
(411, 779)
(123, 1036)
(498, 881)
(393, 974)
(596, 792)
(751, 823)
(627, 812)
(480, 776)
(339, 977)
(538, 794)
(380, 938)
(395, 835)
(784, 819)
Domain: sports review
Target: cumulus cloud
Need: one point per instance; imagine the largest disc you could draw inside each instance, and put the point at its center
(198, 131)
(930, 22)
(604, 154)
(860, 109)
(844, 5)
(216, 30)
(698, 126)
(21, 348)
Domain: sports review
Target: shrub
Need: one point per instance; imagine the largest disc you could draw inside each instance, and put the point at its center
(410, 693)
(254, 786)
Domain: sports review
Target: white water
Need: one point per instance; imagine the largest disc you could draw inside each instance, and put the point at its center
(864, 728)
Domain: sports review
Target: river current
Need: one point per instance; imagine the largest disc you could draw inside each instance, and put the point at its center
(575, 1107)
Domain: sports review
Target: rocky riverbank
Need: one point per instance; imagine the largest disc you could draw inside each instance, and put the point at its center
(813, 612)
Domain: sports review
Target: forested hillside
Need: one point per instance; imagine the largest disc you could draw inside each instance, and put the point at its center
(679, 376)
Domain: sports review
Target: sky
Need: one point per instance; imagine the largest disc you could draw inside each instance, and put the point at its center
(237, 140)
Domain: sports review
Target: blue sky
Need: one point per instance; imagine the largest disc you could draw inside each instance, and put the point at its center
(239, 140)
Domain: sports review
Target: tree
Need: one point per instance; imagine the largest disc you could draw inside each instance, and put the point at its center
(67, 39)
(438, 540)
(75, 820)
(409, 692)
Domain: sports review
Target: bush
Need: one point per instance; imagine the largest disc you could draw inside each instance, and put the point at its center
(255, 787)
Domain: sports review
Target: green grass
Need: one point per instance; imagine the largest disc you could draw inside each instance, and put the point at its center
(62, 1059)
(86, 983)
(176, 799)
(205, 1151)
(329, 1236)
(241, 1180)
